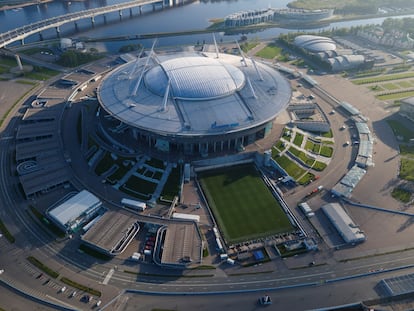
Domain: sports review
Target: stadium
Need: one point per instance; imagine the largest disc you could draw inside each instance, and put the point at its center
(192, 104)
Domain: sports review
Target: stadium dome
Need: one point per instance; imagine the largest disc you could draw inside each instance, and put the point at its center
(193, 103)
(315, 43)
(195, 78)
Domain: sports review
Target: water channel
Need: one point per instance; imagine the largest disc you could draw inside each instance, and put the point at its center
(192, 16)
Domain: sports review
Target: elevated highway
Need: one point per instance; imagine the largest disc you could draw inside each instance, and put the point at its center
(19, 34)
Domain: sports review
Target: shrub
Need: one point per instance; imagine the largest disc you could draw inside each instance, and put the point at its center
(34, 261)
(81, 287)
(401, 195)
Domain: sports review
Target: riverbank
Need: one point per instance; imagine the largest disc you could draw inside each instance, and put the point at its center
(218, 25)
(16, 5)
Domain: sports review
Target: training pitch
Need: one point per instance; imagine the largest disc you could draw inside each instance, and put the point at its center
(243, 206)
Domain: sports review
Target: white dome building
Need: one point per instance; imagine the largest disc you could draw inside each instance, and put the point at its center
(315, 44)
(194, 103)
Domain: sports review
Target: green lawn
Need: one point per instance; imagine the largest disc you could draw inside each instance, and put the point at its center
(294, 170)
(384, 78)
(376, 88)
(324, 134)
(280, 145)
(407, 151)
(247, 46)
(405, 84)
(242, 204)
(298, 139)
(401, 195)
(326, 151)
(407, 169)
(270, 51)
(8, 61)
(319, 166)
(305, 179)
(287, 134)
(397, 95)
(390, 86)
(172, 186)
(302, 156)
(313, 147)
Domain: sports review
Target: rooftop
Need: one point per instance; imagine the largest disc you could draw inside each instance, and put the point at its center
(194, 94)
(111, 230)
(74, 207)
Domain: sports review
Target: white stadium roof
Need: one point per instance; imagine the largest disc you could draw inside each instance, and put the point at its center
(194, 94)
(195, 78)
(315, 43)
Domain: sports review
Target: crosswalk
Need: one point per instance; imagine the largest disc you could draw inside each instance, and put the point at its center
(108, 276)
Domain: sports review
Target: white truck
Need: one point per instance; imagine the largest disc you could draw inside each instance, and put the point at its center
(306, 209)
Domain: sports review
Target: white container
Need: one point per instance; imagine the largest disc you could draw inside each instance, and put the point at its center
(224, 256)
(230, 261)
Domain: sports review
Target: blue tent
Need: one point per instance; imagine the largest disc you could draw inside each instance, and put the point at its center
(258, 255)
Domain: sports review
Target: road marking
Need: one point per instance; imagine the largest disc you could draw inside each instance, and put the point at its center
(108, 276)
(7, 137)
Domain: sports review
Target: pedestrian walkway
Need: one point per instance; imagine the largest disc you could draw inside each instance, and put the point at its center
(125, 178)
(302, 147)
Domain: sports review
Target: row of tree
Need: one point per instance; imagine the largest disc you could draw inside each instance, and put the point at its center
(351, 7)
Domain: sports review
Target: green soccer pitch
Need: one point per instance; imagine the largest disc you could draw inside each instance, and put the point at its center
(242, 205)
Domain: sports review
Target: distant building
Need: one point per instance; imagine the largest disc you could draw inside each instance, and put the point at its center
(65, 43)
(394, 38)
(315, 44)
(268, 15)
(407, 108)
(326, 50)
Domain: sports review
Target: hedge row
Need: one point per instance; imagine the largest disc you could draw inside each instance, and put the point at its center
(384, 78)
(81, 287)
(6, 232)
(42, 267)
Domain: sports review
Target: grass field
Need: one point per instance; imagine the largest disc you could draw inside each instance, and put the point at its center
(290, 166)
(384, 78)
(243, 206)
(271, 51)
(396, 95)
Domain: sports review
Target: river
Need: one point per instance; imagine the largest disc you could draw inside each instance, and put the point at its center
(193, 16)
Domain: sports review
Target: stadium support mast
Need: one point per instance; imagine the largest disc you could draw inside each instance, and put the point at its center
(251, 87)
(165, 100)
(134, 92)
(135, 65)
(241, 53)
(215, 44)
(131, 74)
(257, 69)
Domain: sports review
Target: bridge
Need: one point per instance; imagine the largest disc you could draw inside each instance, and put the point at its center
(19, 34)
